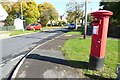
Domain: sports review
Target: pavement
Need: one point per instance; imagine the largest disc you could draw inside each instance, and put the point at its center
(4, 35)
(48, 61)
(21, 45)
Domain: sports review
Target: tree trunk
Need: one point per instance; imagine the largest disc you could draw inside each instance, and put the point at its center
(82, 23)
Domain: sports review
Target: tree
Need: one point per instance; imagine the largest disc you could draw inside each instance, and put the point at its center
(89, 18)
(9, 21)
(75, 13)
(48, 12)
(71, 17)
(7, 5)
(29, 10)
(10, 18)
(112, 6)
(115, 19)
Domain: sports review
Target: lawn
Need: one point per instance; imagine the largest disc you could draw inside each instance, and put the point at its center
(78, 49)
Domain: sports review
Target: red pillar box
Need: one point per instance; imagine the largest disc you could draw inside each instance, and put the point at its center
(99, 38)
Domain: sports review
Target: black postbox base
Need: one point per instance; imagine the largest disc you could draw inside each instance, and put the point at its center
(118, 71)
(96, 63)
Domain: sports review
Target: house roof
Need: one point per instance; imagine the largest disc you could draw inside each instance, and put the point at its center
(3, 13)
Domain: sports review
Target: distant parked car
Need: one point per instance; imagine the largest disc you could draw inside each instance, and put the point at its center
(34, 27)
(71, 26)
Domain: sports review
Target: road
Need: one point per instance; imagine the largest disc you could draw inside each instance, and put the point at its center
(13, 48)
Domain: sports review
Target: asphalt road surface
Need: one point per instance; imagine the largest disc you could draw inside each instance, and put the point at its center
(16, 47)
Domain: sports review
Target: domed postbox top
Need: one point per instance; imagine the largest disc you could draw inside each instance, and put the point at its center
(102, 13)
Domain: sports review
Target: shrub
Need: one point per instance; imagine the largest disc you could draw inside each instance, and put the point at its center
(61, 23)
(9, 21)
(43, 21)
(113, 31)
(114, 28)
(7, 28)
(31, 20)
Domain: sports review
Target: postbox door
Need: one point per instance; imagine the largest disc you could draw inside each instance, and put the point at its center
(95, 46)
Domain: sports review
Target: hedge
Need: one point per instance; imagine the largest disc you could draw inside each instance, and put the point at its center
(113, 31)
(7, 28)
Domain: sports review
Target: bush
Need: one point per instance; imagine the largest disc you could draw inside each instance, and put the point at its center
(61, 23)
(9, 21)
(113, 31)
(31, 20)
(7, 28)
(114, 28)
(43, 21)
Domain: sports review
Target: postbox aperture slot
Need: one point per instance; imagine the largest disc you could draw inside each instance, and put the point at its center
(95, 22)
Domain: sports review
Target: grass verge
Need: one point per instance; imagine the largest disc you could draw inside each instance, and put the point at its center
(78, 31)
(18, 32)
(78, 49)
(74, 32)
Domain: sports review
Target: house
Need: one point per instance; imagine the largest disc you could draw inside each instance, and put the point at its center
(3, 15)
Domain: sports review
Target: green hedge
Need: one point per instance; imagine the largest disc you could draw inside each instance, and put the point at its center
(7, 28)
(113, 31)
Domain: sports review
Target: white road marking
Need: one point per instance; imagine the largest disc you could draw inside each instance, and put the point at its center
(17, 58)
(2, 65)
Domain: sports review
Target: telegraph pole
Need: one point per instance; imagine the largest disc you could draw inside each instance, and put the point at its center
(22, 15)
(76, 7)
(85, 27)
